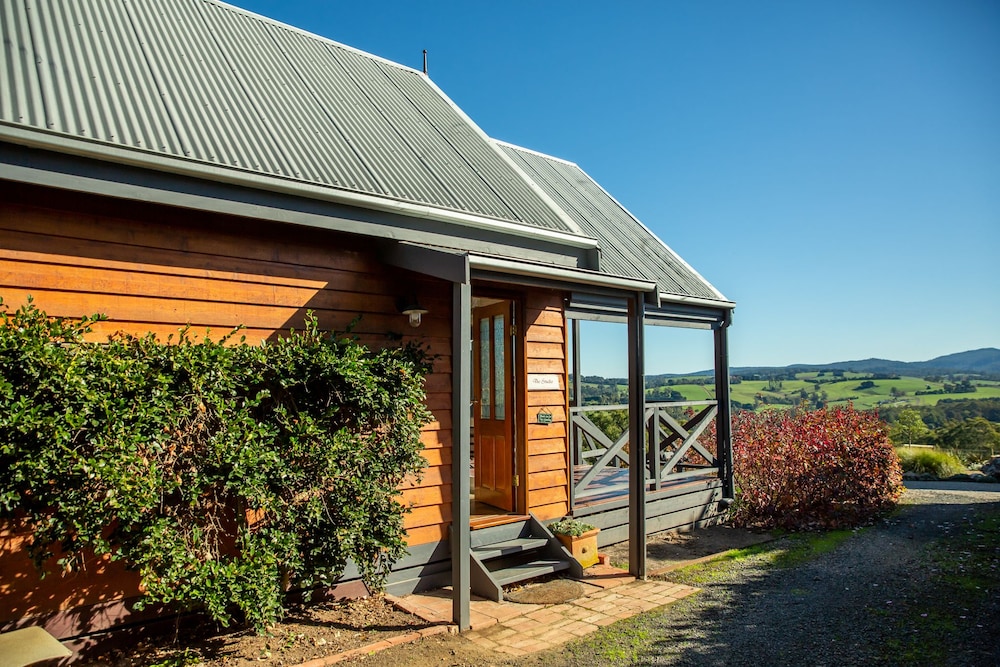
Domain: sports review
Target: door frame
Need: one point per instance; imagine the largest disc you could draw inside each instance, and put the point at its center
(518, 399)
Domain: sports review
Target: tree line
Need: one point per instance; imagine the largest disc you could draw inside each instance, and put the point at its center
(970, 428)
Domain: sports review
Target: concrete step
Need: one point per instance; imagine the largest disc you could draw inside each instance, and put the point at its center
(509, 547)
(529, 570)
(501, 533)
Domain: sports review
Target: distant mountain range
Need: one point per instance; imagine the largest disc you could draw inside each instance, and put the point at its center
(985, 361)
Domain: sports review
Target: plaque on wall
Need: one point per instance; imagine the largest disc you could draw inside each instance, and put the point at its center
(544, 381)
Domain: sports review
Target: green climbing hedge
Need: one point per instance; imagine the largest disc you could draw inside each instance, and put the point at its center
(224, 473)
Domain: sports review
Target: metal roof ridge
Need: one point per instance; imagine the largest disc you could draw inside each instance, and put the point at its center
(537, 189)
(680, 260)
(34, 137)
(538, 153)
(286, 26)
(663, 243)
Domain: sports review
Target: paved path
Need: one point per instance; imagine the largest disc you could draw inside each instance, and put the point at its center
(841, 607)
(519, 629)
(985, 487)
(881, 597)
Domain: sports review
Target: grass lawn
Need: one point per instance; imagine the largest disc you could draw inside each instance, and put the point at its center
(695, 392)
(827, 375)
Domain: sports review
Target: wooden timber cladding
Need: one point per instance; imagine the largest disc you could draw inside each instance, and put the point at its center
(687, 505)
(158, 269)
(545, 351)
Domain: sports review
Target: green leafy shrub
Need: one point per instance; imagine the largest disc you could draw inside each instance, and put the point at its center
(930, 461)
(908, 428)
(570, 526)
(611, 422)
(974, 439)
(828, 468)
(224, 473)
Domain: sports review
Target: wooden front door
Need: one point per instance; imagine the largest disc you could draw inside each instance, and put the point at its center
(493, 405)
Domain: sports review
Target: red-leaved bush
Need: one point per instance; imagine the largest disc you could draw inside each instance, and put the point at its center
(807, 469)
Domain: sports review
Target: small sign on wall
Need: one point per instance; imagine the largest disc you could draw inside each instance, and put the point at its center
(543, 381)
(543, 417)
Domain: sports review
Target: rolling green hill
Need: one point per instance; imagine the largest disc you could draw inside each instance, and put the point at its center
(896, 392)
(865, 391)
(868, 383)
(985, 361)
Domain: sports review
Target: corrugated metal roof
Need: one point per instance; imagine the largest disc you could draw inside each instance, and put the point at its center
(204, 81)
(208, 83)
(628, 247)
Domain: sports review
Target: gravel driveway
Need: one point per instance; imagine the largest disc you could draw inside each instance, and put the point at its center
(884, 595)
(919, 588)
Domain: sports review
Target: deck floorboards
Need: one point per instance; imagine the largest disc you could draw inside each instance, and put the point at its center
(612, 484)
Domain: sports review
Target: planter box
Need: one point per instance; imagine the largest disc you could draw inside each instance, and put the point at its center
(583, 548)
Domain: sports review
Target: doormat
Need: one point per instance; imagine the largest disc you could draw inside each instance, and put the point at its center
(555, 591)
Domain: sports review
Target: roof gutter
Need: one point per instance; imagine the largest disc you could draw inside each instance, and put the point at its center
(585, 277)
(36, 138)
(696, 301)
(577, 276)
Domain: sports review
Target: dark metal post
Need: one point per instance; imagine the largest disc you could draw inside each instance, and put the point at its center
(461, 399)
(637, 437)
(574, 439)
(655, 461)
(723, 420)
(577, 380)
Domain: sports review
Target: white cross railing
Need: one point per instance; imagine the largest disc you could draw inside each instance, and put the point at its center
(673, 449)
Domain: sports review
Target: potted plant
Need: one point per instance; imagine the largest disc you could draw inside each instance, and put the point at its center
(579, 538)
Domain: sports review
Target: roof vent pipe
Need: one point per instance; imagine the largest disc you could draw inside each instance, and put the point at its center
(425, 61)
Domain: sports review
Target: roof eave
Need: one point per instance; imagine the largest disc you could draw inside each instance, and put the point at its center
(667, 297)
(564, 274)
(35, 138)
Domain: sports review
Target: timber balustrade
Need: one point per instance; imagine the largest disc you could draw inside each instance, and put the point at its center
(673, 450)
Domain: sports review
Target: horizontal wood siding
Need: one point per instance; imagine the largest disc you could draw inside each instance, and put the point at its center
(24, 594)
(159, 269)
(54, 257)
(545, 349)
(684, 507)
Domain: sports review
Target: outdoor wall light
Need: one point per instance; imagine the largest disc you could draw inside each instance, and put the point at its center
(415, 312)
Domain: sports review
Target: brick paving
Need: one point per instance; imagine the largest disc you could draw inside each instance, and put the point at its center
(518, 629)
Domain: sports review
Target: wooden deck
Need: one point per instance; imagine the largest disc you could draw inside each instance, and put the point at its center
(611, 484)
(676, 462)
(681, 503)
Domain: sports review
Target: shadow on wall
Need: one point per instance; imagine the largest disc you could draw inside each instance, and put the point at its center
(156, 268)
(65, 604)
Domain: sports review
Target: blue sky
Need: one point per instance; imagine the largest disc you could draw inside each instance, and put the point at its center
(833, 167)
